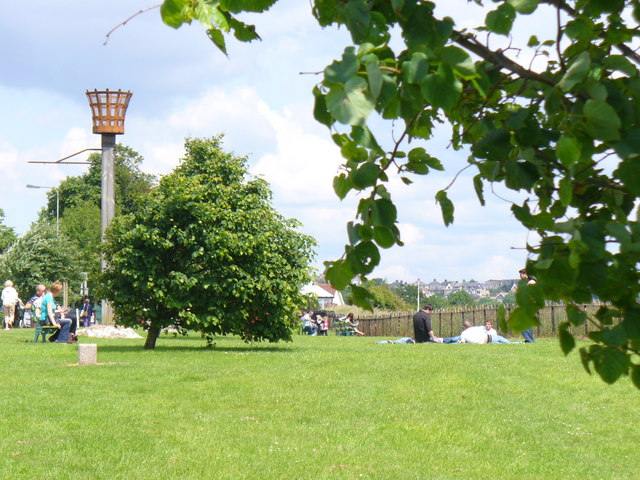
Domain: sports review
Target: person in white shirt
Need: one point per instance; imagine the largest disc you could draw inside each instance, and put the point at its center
(9, 299)
(474, 335)
(493, 335)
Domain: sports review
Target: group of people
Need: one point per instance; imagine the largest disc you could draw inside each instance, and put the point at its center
(316, 324)
(43, 308)
(470, 334)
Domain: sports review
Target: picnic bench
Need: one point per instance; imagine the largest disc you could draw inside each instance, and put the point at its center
(342, 328)
(43, 330)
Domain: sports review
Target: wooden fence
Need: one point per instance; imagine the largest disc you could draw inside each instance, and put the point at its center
(448, 322)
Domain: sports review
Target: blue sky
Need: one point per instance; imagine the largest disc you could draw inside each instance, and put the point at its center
(52, 52)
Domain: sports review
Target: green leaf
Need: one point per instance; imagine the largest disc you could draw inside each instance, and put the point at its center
(446, 206)
(384, 236)
(237, 6)
(217, 37)
(620, 63)
(500, 21)
(524, 6)
(350, 105)
(521, 320)
(364, 257)
(357, 17)
(614, 337)
(242, 31)
(631, 323)
(365, 176)
(441, 89)
(479, 188)
(602, 120)
(343, 71)
(533, 41)
(362, 297)
(628, 174)
(521, 175)
(629, 146)
(376, 79)
(384, 213)
(458, 60)
(341, 185)
(568, 150)
(567, 342)
(320, 111)
(576, 73)
(416, 69)
(581, 29)
(576, 316)
(565, 191)
(530, 298)
(171, 13)
(339, 274)
(610, 363)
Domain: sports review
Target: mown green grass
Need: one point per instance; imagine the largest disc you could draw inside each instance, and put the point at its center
(317, 408)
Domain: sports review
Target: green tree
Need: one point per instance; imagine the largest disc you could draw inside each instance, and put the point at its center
(565, 134)
(7, 234)
(436, 301)
(130, 184)
(407, 292)
(41, 256)
(385, 298)
(207, 251)
(460, 298)
(81, 224)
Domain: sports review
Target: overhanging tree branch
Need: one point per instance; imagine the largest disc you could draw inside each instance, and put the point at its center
(498, 58)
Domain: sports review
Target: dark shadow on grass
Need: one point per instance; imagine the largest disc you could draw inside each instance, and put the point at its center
(203, 348)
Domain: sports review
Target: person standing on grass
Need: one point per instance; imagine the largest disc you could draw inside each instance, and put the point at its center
(9, 300)
(87, 312)
(422, 331)
(528, 333)
(49, 310)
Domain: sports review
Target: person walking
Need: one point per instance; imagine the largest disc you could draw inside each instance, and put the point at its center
(9, 300)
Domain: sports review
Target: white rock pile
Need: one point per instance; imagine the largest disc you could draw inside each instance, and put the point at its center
(108, 331)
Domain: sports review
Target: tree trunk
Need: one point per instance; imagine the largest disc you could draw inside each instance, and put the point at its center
(152, 336)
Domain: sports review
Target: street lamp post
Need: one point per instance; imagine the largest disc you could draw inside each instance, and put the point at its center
(108, 109)
(57, 203)
(418, 285)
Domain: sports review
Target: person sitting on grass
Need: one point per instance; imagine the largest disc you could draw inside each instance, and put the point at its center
(456, 339)
(475, 335)
(422, 330)
(49, 310)
(352, 324)
(493, 335)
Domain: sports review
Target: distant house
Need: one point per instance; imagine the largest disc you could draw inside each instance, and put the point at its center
(327, 295)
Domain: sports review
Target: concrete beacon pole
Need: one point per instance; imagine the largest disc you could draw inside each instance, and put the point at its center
(108, 109)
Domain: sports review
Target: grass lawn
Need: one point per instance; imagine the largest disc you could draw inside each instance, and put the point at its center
(317, 408)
